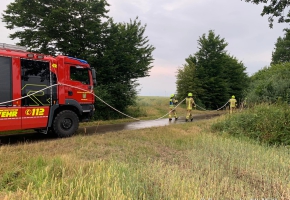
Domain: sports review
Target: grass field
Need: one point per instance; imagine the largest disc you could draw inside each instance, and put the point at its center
(180, 161)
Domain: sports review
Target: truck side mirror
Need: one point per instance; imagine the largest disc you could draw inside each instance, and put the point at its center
(94, 76)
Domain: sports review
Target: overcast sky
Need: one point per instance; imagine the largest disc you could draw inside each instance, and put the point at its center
(174, 26)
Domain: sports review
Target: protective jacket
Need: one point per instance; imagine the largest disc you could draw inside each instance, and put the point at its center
(233, 103)
(189, 103)
(172, 102)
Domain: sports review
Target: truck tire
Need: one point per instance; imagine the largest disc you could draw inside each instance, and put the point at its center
(66, 123)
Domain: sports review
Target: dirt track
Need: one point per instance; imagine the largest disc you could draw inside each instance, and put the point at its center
(36, 137)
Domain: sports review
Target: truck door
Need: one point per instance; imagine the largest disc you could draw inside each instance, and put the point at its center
(79, 77)
(35, 77)
(10, 115)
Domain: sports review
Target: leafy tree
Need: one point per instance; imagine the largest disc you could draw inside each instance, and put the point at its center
(237, 80)
(270, 84)
(275, 8)
(212, 74)
(210, 69)
(282, 49)
(82, 29)
(185, 78)
(69, 27)
(126, 56)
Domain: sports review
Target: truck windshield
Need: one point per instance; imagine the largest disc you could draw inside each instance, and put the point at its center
(80, 74)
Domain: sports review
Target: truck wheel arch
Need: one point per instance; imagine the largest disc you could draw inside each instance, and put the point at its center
(70, 104)
(65, 123)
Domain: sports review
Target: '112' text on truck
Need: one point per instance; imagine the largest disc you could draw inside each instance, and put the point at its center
(43, 92)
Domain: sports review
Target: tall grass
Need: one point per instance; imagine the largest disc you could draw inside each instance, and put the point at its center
(108, 180)
(182, 161)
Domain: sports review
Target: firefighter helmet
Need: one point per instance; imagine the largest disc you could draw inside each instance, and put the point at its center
(233, 97)
(190, 94)
(172, 95)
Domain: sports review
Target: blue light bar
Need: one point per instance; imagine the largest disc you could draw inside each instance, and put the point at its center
(80, 60)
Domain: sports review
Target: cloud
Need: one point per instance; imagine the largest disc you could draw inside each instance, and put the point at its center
(175, 5)
(162, 71)
(157, 85)
(143, 6)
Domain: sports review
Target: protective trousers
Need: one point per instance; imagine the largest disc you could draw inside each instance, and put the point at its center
(188, 114)
(232, 109)
(172, 112)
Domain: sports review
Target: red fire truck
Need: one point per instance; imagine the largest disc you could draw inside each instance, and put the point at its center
(43, 92)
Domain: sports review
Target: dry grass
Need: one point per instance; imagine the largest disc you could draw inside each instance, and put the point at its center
(181, 161)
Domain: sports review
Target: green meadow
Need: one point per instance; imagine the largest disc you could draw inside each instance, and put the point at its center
(212, 159)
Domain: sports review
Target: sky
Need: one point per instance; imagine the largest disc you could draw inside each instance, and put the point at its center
(173, 27)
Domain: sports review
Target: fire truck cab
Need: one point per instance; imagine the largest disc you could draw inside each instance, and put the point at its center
(43, 92)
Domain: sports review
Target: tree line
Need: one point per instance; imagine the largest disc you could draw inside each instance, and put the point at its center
(122, 53)
(214, 75)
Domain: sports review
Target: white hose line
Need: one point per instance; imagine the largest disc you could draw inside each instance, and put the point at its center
(170, 111)
(100, 100)
(27, 95)
(201, 107)
(91, 92)
(212, 110)
(223, 106)
(63, 84)
(112, 106)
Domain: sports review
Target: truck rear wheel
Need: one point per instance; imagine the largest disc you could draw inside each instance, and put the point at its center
(65, 123)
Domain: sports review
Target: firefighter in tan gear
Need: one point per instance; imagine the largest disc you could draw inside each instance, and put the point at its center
(172, 104)
(189, 104)
(244, 104)
(233, 104)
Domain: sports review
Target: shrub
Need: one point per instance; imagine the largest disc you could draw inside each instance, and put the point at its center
(265, 123)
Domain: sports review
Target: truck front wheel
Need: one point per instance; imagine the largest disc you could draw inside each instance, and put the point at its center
(65, 123)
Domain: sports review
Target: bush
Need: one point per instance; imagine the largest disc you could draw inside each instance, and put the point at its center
(270, 85)
(265, 123)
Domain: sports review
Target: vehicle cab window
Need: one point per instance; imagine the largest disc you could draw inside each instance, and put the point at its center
(81, 74)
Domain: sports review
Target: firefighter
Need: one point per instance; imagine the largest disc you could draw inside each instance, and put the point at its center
(189, 104)
(244, 104)
(172, 104)
(233, 104)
